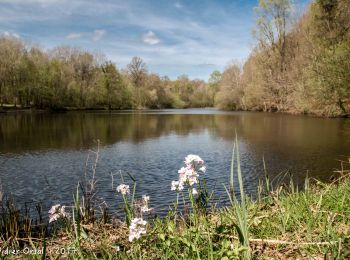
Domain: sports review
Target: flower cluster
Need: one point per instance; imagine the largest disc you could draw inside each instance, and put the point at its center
(137, 228)
(176, 185)
(57, 211)
(189, 174)
(144, 206)
(123, 189)
(195, 161)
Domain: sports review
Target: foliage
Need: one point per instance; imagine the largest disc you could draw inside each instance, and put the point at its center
(67, 77)
(299, 65)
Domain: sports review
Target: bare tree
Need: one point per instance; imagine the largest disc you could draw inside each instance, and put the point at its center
(230, 91)
(137, 71)
(273, 22)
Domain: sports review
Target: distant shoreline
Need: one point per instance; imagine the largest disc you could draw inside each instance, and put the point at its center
(12, 110)
(8, 109)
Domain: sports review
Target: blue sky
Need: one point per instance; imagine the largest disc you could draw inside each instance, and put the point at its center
(174, 37)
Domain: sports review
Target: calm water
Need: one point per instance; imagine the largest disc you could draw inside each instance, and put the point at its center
(43, 156)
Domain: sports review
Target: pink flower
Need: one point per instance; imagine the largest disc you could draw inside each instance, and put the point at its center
(54, 209)
(123, 189)
(145, 198)
(194, 161)
(191, 180)
(57, 211)
(144, 207)
(189, 174)
(176, 185)
(137, 228)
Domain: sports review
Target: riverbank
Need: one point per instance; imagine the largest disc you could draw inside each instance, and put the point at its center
(19, 109)
(287, 224)
(312, 221)
(291, 112)
(11, 109)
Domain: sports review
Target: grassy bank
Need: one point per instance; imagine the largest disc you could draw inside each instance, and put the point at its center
(284, 221)
(314, 223)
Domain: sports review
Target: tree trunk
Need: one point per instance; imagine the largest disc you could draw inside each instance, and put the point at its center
(1, 98)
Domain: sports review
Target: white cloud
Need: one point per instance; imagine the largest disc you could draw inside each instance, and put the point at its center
(205, 65)
(10, 34)
(73, 35)
(186, 41)
(98, 34)
(28, 1)
(150, 38)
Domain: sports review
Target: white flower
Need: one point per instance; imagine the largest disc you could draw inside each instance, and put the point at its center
(182, 175)
(145, 198)
(53, 217)
(194, 161)
(57, 211)
(137, 228)
(182, 170)
(123, 189)
(176, 185)
(54, 209)
(63, 212)
(194, 191)
(192, 177)
(144, 207)
(189, 174)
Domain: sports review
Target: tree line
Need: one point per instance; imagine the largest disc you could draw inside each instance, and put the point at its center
(298, 65)
(72, 77)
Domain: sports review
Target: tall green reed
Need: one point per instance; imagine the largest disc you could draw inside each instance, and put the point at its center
(239, 206)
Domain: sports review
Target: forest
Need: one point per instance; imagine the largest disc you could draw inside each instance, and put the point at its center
(68, 77)
(299, 64)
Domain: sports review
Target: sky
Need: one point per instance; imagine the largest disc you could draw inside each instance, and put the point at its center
(173, 37)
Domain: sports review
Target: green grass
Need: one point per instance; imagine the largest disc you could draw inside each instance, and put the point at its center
(287, 221)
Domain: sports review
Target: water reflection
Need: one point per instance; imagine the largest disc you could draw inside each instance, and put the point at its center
(295, 139)
(284, 133)
(26, 132)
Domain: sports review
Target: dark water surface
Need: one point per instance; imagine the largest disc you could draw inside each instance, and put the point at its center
(43, 156)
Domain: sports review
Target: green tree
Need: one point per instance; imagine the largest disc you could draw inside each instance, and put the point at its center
(117, 95)
(11, 52)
